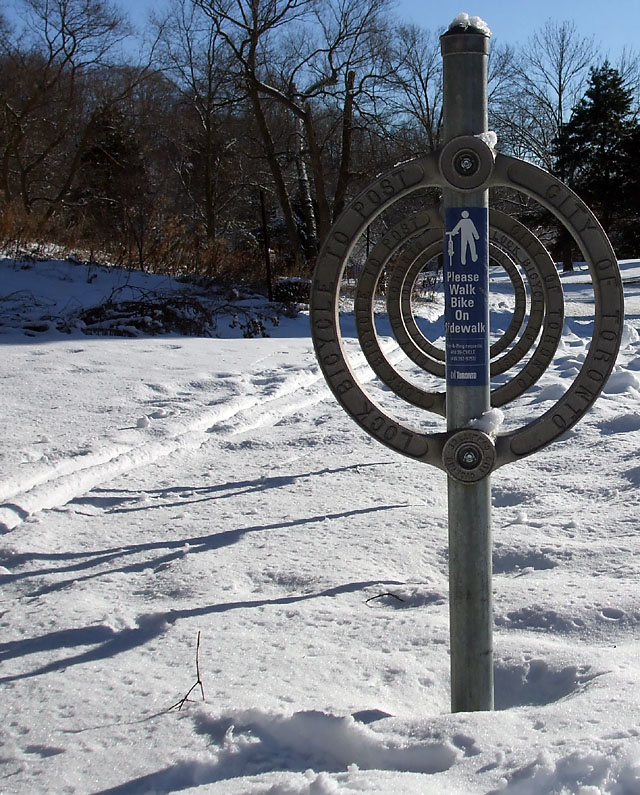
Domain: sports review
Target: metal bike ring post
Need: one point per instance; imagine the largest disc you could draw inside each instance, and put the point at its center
(548, 191)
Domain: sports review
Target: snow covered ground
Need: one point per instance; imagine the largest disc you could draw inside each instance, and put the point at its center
(157, 489)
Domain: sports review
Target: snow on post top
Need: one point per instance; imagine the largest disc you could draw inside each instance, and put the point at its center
(471, 24)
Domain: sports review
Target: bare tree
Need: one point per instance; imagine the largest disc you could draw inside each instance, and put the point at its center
(302, 55)
(58, 77)
(196, 57)
(417, 79)
(628, 67)
(248, 28)
(548, 78)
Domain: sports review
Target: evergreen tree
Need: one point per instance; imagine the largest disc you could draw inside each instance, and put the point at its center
(113, 186)
(597, 155)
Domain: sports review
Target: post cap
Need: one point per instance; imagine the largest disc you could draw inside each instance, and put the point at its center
(466, 35)
(463, 23)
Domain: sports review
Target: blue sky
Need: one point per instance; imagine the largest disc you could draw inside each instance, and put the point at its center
(612, 23)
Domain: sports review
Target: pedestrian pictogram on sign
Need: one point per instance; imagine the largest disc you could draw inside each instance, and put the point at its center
(468, 236)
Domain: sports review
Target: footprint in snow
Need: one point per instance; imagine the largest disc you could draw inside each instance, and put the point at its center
(612, 613)
(160, 414)
(514, 561)
(625, 423)
(621, 382)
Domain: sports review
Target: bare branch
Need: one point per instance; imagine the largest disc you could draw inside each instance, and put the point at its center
(179, 704)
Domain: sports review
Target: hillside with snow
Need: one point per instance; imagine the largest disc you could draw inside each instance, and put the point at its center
(157, 489)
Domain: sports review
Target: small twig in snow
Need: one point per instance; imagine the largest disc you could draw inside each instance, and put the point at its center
(380, 595)
(183, 701)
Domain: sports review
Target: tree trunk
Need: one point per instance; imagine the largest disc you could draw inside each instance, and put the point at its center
(323, 216)
(209, 171)
(278, 177)
(564, 245)
(345, 159)
(305, 190)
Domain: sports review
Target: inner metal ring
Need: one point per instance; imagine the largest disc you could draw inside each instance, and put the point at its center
(400, 285)
(412, 340)
(546, 293)
(400, 289)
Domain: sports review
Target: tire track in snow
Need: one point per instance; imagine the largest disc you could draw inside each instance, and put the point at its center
(72, 477)
(75, 476)
(315, 391)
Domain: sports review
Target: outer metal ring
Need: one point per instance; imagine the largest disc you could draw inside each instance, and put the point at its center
(423, 172)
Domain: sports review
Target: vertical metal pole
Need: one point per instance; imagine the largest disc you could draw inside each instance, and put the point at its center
(465, 55)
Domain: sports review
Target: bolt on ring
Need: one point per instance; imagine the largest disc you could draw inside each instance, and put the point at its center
(469, 456)
(466, 163)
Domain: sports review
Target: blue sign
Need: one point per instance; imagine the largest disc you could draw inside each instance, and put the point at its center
(466, 292)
